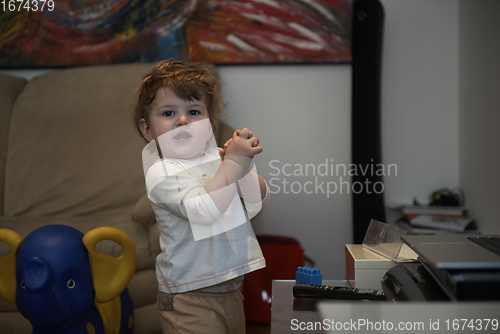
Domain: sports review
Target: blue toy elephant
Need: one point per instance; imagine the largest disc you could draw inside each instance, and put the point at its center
(62, 284)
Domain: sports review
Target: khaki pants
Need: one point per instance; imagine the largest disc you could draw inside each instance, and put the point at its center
(202, 312)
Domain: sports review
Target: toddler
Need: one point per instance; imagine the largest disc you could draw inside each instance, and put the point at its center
(203, 198)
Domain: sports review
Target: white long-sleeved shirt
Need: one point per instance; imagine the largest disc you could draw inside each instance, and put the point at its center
(200, 246)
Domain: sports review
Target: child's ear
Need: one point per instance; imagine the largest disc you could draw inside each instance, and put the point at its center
(145, 129)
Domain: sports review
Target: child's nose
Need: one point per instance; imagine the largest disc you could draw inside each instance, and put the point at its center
(182, 120)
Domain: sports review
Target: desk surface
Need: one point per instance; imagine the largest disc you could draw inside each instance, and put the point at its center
(423, 317)
(285, 308)
(290, 314)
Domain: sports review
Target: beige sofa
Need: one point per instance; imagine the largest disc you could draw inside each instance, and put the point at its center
(69, 154)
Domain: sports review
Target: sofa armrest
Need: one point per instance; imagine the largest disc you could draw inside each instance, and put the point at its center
(10, 88)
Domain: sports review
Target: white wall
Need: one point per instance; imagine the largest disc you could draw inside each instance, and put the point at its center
(480, 110)
(419, 123)
(420, 98)
(302, 115)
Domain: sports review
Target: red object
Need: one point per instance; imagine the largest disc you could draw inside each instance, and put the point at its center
(283, 255)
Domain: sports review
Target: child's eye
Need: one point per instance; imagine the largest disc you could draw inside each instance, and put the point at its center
(194, 112)
(168, 113)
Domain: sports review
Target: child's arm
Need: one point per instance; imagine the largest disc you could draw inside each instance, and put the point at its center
(235, 166)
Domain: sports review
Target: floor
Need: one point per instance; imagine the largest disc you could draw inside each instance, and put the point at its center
(255, 328)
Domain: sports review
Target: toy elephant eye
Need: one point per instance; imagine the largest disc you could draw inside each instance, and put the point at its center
(70, 284)
(22, 285)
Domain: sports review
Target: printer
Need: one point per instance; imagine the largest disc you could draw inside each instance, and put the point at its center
(443, 273)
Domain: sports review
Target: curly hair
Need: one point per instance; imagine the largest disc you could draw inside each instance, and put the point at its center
(190, 81)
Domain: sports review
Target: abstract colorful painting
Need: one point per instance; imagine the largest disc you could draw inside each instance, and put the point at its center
(84, 32)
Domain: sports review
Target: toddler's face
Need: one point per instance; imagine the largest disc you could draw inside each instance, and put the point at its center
(181, 128)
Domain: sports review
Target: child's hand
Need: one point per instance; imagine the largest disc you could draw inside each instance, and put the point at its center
(222, 152)
(242, 145)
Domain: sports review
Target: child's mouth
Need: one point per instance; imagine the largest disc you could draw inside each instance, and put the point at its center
(182, 136)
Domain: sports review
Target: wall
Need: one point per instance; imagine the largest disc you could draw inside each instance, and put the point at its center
(302, 116)
(480, 110)
(420, 98)
(298, 110)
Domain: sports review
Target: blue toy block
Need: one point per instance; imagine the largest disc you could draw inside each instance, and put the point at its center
(308, 275)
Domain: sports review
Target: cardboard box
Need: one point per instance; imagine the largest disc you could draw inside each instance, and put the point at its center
(366, 267)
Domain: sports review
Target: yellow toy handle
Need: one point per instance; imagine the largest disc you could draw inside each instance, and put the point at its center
(8, 265)
(110, 275)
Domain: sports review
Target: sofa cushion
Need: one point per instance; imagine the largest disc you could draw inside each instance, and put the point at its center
(72, 146)
(143, 288)
(10, 87)
(14, 323)
(143, 212)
